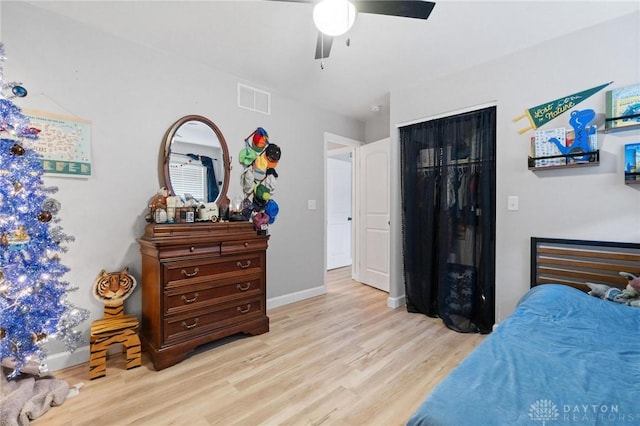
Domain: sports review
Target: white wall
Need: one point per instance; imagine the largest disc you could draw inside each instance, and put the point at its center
(132, 95)
(377, 125)
(586, 203)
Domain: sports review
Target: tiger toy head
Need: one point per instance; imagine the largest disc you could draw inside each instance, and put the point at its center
(112, 288)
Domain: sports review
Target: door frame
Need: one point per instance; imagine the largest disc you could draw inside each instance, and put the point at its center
(341, 144)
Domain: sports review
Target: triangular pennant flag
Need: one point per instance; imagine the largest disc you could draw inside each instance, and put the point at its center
(543, 113)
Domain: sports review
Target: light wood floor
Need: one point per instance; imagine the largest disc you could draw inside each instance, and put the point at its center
(343, 358)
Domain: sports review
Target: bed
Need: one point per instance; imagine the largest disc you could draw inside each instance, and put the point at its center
(562, 357)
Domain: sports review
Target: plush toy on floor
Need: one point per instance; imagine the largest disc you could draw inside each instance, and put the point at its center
(630, 295)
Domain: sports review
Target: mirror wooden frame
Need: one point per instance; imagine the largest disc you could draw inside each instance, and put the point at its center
(168, 139)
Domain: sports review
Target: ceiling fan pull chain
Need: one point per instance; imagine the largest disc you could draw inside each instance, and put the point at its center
(322, 50)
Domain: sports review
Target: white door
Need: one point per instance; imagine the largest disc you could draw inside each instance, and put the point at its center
(374, 223)
(338, 212)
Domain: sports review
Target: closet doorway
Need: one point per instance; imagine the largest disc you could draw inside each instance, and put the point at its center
(448, 181)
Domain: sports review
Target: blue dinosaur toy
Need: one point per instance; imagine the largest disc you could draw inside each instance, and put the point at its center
(580, 122)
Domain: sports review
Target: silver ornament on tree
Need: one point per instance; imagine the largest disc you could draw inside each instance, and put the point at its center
(51, 205)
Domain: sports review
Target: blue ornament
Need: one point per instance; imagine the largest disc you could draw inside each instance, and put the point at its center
(19, 91)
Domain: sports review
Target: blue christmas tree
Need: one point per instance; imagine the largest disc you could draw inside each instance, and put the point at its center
(33, 305)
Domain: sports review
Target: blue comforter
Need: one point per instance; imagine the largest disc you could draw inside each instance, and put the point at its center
(562, 358)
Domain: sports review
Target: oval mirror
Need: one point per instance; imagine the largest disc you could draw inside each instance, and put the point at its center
(196, 160)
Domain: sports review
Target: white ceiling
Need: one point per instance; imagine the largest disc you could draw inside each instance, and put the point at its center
(271, 44)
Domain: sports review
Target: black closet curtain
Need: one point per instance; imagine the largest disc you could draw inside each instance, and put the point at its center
(448, 205)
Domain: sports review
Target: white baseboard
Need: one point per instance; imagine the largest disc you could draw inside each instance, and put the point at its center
(396, 302)
(275, 302)
(67, 359)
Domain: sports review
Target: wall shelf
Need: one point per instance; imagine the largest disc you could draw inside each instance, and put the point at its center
(622, 128)
(571, 161)
(632, 178)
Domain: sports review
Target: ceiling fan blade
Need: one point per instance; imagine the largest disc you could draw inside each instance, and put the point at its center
(407, 9)
(323, 45)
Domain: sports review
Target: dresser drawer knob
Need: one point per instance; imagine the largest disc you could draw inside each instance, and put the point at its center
(244, 287)
(246, 244)
(192, 249)
(244, 265)
(193, 299)
(245, 310)
(190, 274)
(185, 325)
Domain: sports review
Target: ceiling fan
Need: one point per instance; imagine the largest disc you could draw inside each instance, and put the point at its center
(341, 15)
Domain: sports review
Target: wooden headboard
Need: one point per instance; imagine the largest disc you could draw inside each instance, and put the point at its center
(575, 262)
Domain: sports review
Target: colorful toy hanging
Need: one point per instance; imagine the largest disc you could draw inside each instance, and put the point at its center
(259, 157)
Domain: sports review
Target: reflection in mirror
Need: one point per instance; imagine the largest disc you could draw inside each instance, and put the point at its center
(196, 160)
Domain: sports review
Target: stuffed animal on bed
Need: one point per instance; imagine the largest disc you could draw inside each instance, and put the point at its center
(630, 295)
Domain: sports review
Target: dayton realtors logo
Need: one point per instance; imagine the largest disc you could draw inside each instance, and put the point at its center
(545, 410)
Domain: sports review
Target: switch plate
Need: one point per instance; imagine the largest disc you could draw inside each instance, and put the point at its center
(512, 202)
(311, 204)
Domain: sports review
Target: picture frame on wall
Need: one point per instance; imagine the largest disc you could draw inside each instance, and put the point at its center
(623, 108)
(632, 163)
(64, 143)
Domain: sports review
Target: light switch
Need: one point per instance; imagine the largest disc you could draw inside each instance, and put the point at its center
(512, 202)
(311, 204)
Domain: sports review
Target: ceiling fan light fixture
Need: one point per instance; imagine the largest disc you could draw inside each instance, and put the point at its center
(334, 17)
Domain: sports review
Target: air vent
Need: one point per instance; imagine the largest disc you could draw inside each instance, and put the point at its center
(254, 99)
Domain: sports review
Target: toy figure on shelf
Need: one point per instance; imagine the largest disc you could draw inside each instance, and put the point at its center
(580, 122)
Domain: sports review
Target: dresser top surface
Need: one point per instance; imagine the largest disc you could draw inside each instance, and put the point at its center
(223, 230)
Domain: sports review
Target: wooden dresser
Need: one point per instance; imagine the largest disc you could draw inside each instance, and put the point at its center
(200, 282)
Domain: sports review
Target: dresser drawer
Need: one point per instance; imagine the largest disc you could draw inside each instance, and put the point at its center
(231, 247)
(199, 269)
(197, 296)
(186, 250)
(193, 324)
